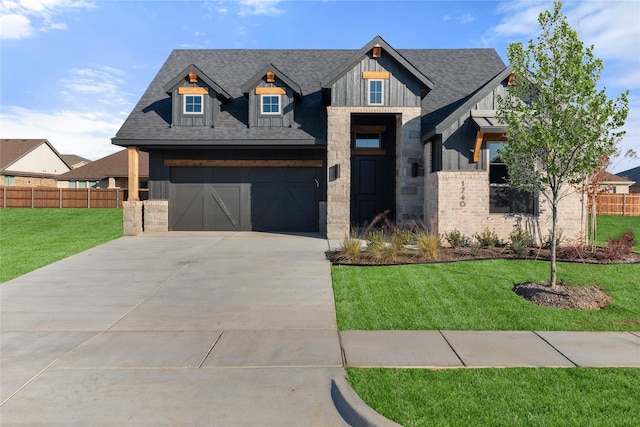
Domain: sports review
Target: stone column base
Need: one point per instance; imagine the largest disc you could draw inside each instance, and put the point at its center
(156, 216)
(132, 218)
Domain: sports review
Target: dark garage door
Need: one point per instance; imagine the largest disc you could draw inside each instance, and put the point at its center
(259, 199)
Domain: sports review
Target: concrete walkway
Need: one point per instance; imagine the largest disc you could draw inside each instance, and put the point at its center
(482, 349)
(232, 329)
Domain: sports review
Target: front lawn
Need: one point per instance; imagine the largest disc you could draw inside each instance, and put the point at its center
(477, 295)
(502, 397)
(612, 227)
(32, 238)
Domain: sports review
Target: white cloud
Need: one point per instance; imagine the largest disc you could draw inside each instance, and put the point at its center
(71, 132)
(20, 18)
(260, 7)
(101, 80)
(14, 27)
(446, 18)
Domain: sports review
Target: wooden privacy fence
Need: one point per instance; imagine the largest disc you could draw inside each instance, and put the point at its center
(48, 197)
(618, 204)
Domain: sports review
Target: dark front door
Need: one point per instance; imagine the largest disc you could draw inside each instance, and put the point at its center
(370, 188)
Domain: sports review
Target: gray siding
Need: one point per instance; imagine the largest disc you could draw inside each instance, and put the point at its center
(210, 108)
(285, 119)
(458, 141)
(400, 90)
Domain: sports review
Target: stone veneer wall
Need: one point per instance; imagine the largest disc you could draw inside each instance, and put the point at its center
(409, 190)
(460, 200)
(156, 216)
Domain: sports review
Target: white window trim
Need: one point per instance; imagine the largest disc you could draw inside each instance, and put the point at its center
(184, 104)
(369, 81)
(271, 113)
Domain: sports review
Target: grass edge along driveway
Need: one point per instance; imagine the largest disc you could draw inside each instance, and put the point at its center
(33, 238)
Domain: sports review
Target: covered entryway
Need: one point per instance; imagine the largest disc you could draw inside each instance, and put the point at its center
(373, 153)
(244, 198)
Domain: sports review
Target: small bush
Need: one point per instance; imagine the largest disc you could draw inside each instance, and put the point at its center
(520, 240)
(376, 240)
(351, 248)
(546, 243)
(456, 239)
(401, 238)
(429, 245)
(620, 248)
(486, 238)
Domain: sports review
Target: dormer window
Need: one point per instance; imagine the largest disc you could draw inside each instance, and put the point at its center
(270, 104)
(375, 92)
(193, 104)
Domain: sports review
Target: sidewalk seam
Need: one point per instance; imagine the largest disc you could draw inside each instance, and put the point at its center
(210, 349)
(556, 349)
(343, 354)
(452, 349)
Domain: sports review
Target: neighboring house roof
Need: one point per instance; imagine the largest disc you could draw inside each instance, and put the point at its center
(608, 178)
(14, 150)
(455, 74)
(74, 161)
(113, 166)
(632, 174)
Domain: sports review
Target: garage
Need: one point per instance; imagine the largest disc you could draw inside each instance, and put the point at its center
(244, 198)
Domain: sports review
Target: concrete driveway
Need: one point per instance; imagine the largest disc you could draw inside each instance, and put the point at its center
(189, 329)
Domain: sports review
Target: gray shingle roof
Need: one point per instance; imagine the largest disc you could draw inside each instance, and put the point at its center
(115, 165)
(456, 74)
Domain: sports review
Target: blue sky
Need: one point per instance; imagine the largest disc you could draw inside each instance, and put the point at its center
(72, 70)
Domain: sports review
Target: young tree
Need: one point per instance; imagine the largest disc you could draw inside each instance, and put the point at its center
(558, 123)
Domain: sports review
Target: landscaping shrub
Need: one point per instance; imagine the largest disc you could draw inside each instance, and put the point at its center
(520, 240)
(546, 243)
(617, 249)
(429, 245)
(376, 239)
(456, 239)
(486, 238)
(351, 248)
(401, 238)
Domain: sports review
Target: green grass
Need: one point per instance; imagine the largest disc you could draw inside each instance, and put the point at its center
(502, 397)
(478, 295)
(32, 238)
(612, 227)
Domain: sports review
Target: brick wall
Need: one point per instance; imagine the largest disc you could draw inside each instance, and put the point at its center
(461, 201)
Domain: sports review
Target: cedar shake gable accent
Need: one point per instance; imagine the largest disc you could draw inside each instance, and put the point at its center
(169, 87)
(426, 84)
(255, 80)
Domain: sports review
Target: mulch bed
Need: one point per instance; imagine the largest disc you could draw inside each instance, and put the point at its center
(560, 295)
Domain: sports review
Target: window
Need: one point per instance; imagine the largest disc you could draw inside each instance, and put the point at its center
(192, 104)
(502, 198)
(270, 104)
(367, 140)
(9, 180)
(375, 92)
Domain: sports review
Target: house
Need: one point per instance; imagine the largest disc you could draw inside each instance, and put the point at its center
(75, 161)
(613, 184)
(632, 175)
(108, 172)
(325, 140)
(30, 162)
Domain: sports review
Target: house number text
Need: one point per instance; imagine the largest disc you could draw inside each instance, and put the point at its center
(462, 202)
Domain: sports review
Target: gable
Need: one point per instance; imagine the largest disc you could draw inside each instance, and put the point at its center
(33, 157)
(400, 83)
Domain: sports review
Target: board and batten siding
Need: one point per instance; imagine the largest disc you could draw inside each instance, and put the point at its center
(400, 89)
(458, 140)
(277, 120)
(210, 107)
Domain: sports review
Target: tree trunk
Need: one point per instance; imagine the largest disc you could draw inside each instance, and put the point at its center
(554, 234)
